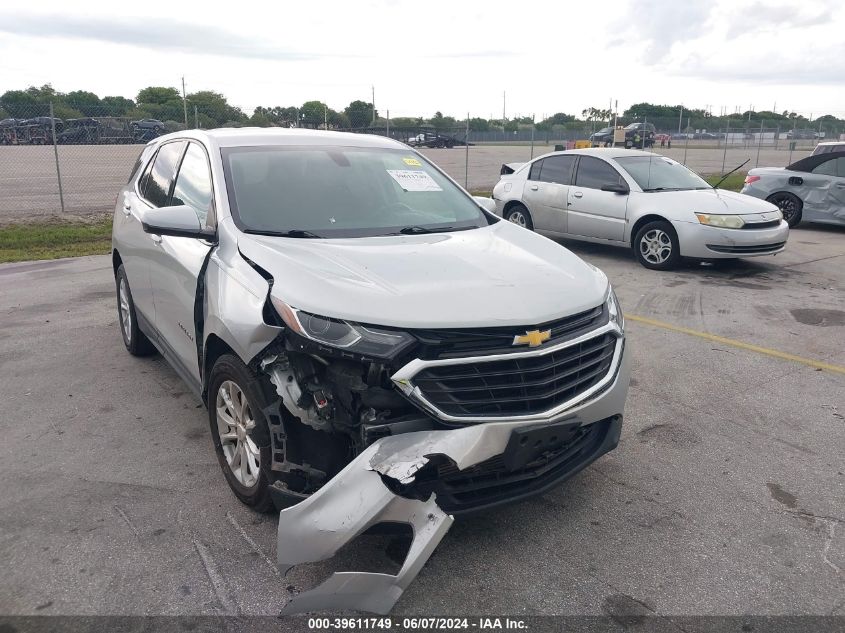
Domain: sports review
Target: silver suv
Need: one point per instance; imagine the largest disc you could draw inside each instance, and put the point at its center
(372, 344)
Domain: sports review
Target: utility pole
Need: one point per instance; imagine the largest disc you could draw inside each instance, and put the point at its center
(196, 119)
(504, 97)
(680, 119)
(184, 102)
(374, 105)
(326, 117)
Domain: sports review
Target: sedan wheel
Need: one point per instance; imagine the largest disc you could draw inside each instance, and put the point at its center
(234, 423)
(656, 246)
(520, 216)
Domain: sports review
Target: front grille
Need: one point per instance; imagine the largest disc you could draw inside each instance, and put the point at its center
(454, 343)
(761, 225)
(489, 482)
(517, 386)
(746, 249)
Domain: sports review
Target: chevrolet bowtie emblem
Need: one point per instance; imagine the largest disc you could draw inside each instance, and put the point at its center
(532, 338)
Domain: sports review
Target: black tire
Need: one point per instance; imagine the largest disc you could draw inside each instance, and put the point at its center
(231, 369)
(518, 211)
(789, 204)
(653, 234)
(134, 339)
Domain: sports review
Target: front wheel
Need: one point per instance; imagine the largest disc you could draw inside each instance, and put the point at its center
(519, 215)
(240, 431)
(789, 204)
(656, 246)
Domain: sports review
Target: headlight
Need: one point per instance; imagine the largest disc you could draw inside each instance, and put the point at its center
(342, 334)
(721, 221)
(615, 310)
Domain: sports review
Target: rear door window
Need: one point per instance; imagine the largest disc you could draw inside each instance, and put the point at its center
(594, 173)
(558, 169)
(157, 185)
(534, 174)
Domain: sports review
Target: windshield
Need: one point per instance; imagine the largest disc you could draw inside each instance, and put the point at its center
(658, 173)
(324, 191)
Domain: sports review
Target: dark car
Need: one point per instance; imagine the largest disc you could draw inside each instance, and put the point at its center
(603, 137)
(80, 131)
(639, 135)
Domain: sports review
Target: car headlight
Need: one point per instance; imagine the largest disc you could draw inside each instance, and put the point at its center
(615, 310)
(355, 337)
(721, 221)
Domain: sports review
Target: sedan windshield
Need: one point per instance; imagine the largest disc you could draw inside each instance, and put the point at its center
(322, 191)
(658, 173)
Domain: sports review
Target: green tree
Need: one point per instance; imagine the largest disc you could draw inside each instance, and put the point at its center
(116, 106)
(161, 103)
(360, 113)
(85, 102)
(20, 104)
(215, 106)
(477, 124)
(441, 122)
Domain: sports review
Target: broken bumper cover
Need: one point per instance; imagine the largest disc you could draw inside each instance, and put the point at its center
(358, 498)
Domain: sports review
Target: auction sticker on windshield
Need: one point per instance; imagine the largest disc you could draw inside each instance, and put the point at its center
(412, 180)
(413, 162)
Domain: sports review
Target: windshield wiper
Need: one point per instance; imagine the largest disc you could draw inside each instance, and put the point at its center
(299, 233)
(421, 230)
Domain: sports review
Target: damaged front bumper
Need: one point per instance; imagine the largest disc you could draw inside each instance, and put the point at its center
(404, 479)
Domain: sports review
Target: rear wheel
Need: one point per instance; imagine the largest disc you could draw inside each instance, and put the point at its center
(519, 215)
(656, 246)
(789, 204)
(134, 339)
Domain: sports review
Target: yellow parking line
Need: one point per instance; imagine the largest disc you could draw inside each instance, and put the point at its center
(734, 343)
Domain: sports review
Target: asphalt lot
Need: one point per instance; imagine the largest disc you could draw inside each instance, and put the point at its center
(93, 174)
(725, 495)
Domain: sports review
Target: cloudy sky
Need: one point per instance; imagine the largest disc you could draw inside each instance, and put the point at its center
(454, 56)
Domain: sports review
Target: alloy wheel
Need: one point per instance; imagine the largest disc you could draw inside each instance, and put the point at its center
(125, 312)
(518, 218)
(656, 246)
(234, 423)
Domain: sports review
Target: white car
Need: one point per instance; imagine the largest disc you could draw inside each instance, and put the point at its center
(639, 199)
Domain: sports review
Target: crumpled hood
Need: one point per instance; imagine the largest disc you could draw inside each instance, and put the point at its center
(497, 275)
(713, 201)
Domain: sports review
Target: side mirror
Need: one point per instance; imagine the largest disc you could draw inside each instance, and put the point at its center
(488, 204)
(620, 189)
(177, 221)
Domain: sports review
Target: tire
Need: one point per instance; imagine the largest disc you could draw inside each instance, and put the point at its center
(245, 455)
(656, 246)
(134, 339)
(789, 204)
(519, 215)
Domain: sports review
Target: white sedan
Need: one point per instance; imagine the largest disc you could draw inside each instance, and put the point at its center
(643, 200)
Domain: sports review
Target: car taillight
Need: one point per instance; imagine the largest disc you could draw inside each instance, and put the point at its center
(750, 179)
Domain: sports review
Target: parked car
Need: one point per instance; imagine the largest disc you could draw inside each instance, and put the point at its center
(641, 200)
(148, 124)
(821, 148)
(811, 189)
(802, 134)
(367, 337)
(604, 137)
(639, 135)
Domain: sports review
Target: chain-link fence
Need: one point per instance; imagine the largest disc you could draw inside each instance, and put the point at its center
(70, 162)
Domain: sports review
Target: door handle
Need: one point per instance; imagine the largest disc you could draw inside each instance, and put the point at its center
(578, 194)
(840, 185)
(155, 238)
(533, 187)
